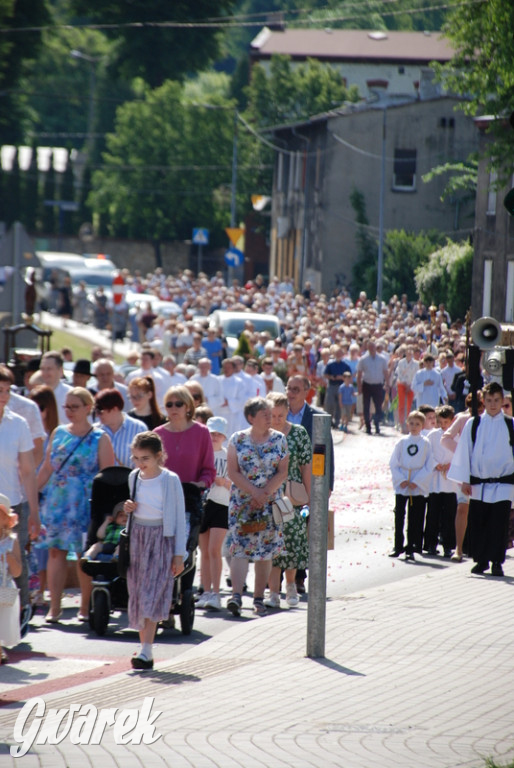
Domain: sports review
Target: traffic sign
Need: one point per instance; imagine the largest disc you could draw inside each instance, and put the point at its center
(200, 236)
(234, 257)
(234, 233)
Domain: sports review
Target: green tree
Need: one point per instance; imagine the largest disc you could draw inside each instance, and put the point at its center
(294, 92)
(153, 52)
(364, 271)
(404, 252)
(446, 277)
(481, 69)
(18, 51)
(162, 165)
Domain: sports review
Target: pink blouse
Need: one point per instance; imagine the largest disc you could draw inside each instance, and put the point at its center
(189, 453)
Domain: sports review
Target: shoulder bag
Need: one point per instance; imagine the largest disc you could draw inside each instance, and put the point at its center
(124, 544)
(283, 510)
(297, 493)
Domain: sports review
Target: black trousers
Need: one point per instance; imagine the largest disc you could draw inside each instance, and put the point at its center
(373, 392)
(488, 527)
(440, 520)
(415, 518)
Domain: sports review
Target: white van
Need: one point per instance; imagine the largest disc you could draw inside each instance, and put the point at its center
(232, 324)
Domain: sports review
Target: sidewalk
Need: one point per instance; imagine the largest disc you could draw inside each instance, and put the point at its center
(417, 673)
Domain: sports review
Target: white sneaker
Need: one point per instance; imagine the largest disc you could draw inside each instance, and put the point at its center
(202, 600)
(213, 603)
(273, 601)
(292, 598)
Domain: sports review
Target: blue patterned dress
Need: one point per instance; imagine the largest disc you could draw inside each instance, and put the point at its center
(66, 508)
(258, 462)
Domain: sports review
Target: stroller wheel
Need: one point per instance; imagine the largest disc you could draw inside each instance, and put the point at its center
(91, 614)
(187, 612)
(100, 611)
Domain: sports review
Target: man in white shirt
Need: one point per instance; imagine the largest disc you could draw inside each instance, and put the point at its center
(232, 391)
(104, 372)
(448, 373)
(51, 370)
(210, 384)
(484, 463)
(427, 384)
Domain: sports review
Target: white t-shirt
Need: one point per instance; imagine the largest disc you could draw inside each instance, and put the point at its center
(219, 493)
(149, 496)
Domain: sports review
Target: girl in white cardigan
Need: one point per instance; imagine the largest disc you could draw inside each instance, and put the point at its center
(157, 541)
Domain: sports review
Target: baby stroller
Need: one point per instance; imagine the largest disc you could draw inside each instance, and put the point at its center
(109, 593)
(183, 602)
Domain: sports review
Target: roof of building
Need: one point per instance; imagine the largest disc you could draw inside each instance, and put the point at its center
(352, 45)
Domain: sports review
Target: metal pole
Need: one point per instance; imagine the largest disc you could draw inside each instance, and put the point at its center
(318, 531)
(380, 267)
(233, 196)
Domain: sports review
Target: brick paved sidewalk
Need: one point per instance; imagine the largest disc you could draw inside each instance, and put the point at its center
(417, 673)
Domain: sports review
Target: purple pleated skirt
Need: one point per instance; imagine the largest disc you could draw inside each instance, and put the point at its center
(149, 578)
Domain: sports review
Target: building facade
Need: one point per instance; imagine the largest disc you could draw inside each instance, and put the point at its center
(493, 263)
(319, 163)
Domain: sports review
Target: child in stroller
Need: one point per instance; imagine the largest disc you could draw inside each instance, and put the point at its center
(109, 536)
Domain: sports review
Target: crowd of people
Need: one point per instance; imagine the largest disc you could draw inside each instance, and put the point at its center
(223, 437)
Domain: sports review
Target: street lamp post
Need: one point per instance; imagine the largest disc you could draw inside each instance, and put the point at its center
(92, 61)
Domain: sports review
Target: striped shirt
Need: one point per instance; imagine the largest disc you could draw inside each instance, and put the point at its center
(122, 439)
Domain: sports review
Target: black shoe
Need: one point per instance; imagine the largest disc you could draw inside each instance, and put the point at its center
(432, 551)
(447, 553)
(480, 568)
(368, 430)
(141, 662)
(300, 586)
(234, 605)
(410, 556)
(497, 570)
(395, 553)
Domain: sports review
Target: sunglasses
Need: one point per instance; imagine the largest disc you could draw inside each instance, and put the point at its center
(174, 404)
(72, 407)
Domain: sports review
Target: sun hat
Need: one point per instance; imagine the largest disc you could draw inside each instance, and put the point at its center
(217, 424)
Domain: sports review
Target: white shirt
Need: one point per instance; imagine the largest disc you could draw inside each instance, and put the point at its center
(212, 390)
(439, 482)
(28, 410)
(405, 371)
(60, 393)
(490, 457)
(448, 374)
(14, 439)
(429, 394)
(412, 460)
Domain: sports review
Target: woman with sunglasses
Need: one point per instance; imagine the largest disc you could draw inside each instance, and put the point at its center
(196, 391)
(146, 409)
(189, 453)
(76, 452)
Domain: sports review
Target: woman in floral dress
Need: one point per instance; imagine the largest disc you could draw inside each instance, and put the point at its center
(76, 452)
(257, 462)
(296, 549)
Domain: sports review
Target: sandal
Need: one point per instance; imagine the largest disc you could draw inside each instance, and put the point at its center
(49, 619)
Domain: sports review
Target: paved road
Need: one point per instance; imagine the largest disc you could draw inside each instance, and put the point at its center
(362, 501)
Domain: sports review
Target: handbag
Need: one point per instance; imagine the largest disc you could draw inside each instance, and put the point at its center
(124, 545)
(8, 596)
(283, 510)
(297, 493)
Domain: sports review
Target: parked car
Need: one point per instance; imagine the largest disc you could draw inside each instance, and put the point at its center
(232, 324)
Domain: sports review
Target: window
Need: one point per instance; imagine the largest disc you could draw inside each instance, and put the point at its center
(404, 169)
